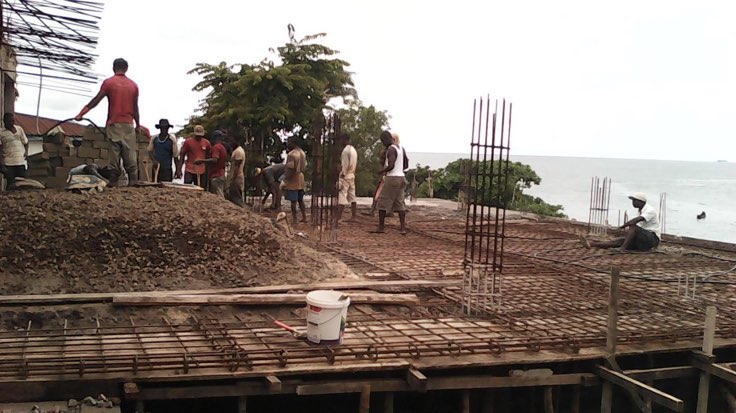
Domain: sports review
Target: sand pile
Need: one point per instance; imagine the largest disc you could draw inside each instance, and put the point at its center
(140, 239)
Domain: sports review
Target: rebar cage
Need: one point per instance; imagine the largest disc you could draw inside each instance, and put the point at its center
(488, 175)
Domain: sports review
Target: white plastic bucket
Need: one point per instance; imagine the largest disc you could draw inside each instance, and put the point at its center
(326, 316)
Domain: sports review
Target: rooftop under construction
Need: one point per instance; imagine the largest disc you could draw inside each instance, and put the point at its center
(495, 310)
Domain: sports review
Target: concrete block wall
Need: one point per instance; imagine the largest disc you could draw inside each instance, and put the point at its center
(60, 155)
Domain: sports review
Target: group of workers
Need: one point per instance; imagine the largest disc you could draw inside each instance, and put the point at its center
(203, 161)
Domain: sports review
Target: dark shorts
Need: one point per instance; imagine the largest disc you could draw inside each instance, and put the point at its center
(18, 171)
(166, 175)
(644, 240)
(190, 178)
(294, 195)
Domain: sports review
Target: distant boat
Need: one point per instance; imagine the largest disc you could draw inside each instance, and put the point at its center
(722, 160)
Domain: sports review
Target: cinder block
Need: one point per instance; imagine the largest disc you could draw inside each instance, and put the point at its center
(101, 144)
(55, 181)
(104, 154)
(84, 152)
(86, 144)
(39, 163)
(72, 161)
(38, 172)
(101, 162)
(62, 171)
(52, 148)
(56, 161)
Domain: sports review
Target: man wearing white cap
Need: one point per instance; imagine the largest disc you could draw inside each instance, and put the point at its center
(643, 231)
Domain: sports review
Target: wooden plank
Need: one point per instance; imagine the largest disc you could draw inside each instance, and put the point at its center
(490, 382)
(720, 371)
(657, 396)
(352, 386)
(259, 299)
(48, 299)
(665, 373)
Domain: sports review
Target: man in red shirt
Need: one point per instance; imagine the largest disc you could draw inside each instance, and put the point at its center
(193, 154)
(217, 164)
(122, 120)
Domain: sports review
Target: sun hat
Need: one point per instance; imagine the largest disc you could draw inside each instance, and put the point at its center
(163, 123)
(640, 196)
(199, 130)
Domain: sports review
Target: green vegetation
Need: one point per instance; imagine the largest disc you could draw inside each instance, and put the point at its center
(447, 183)
(276, 97)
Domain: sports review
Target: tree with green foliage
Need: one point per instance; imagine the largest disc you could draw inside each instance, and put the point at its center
(364, 125)
(448, 182)
(265, 102)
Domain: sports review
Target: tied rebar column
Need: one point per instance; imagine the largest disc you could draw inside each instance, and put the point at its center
(325, 161)
(663, 212)
(488, 173)
(600, 199)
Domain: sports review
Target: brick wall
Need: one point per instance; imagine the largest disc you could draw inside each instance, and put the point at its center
(59, 156)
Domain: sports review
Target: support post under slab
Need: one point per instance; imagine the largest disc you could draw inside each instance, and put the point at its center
(708, 338)
(488, 401)
(575, 402)
(242, 404)
(611, 337)
(365, 399)
(548, 400)
(388, 402)
(465, 401)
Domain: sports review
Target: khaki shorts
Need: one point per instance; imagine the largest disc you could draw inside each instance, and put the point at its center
(217, 186)
(392, 194)
(347, 192)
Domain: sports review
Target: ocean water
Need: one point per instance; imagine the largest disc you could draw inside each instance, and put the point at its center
(691, 188)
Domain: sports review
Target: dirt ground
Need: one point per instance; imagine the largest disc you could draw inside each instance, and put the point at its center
(143, 239)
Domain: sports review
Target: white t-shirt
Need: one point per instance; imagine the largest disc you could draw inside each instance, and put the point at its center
(12, 146)
(349, 162)
(399, 164)
(650, 223)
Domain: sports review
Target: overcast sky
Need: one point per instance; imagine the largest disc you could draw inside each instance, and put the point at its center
(629, 79)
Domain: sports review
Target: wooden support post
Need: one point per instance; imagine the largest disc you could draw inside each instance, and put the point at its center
(242, 404)
(417, 380)
(708, 337)
(548, 400)
(365, 399)
(575, 402)
(465, 401)
(728, 397)
(140, 407)
(388, 402)
(611, 337)
(273, 383)
(613, 299)
(488, 401)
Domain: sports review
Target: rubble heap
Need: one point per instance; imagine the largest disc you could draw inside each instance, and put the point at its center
(143, 239)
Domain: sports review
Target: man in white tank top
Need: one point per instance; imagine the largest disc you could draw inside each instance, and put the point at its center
(392, 194)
